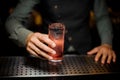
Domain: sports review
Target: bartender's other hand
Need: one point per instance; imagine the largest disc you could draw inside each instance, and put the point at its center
(37, 45)
(104, 52)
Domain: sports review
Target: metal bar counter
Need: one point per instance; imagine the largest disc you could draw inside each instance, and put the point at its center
(73, 67)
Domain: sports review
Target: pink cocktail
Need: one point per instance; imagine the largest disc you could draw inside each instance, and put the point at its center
(56, 34)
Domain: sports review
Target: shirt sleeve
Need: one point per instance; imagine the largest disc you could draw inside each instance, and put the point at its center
(16, 30)
(103, 22)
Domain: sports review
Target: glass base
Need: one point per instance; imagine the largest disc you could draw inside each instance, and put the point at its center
(55, 60)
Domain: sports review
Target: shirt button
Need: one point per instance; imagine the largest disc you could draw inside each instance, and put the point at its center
(70, 38)
(56, 6)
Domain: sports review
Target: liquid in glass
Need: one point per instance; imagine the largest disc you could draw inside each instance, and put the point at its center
(56, 34)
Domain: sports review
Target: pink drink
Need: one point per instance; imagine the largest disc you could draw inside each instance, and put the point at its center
(56, 33)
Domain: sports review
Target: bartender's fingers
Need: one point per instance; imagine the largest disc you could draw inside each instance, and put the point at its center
(44, 38)
(93, 51)
(40, 40)
(98, 55)
(111, 57)
(104, 57)
(37, 52)
(42, 46)
(32, 52)
(114, 56)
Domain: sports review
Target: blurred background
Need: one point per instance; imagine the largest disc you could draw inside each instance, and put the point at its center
(7, 47)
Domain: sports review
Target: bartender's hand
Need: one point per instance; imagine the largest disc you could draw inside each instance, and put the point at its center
(104, 52)
(37, 45)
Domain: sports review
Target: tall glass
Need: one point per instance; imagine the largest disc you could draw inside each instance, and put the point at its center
(56, 34)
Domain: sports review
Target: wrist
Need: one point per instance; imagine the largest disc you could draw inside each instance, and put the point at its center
(107, 45)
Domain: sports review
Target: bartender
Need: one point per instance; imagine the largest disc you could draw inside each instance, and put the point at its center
(75, 15)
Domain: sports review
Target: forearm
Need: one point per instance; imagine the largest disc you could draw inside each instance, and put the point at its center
(103, 22)
(105, 31)
(17, 32)
(14, 24)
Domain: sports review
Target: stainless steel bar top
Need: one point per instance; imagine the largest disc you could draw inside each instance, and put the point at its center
(72, 65)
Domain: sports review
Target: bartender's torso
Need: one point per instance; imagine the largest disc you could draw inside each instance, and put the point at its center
(75, 15)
